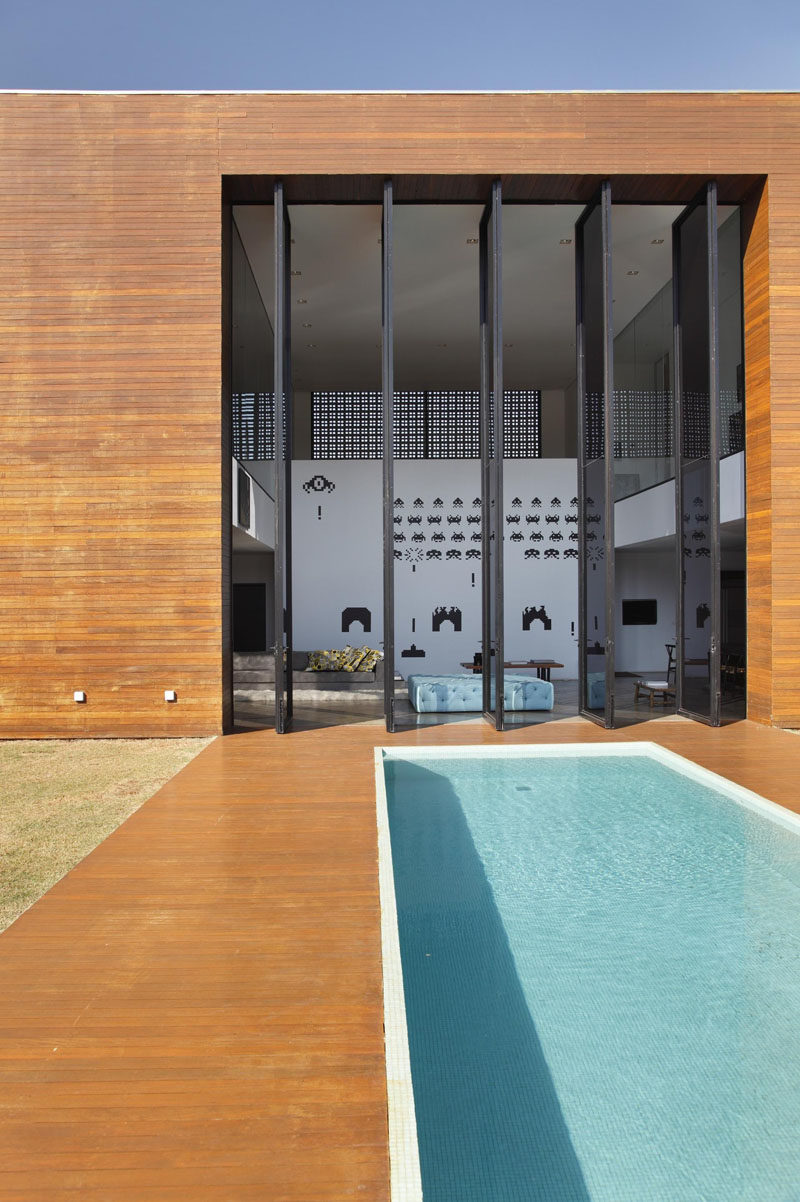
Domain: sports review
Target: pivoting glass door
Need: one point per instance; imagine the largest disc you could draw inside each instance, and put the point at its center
(283, 465)
(697, 432)
(491, 438)
(595, 373)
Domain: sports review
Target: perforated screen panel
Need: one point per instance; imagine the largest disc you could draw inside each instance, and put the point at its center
(409, 426)
(435, 424)
(643, 423)
(522, 421)
(346, 425)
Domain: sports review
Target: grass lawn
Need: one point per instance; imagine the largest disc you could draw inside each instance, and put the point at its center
(59, 798)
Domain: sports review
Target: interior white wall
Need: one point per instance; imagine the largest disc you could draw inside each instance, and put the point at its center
(337, 544)
(651, 514)
(337, 540)
(644, 575)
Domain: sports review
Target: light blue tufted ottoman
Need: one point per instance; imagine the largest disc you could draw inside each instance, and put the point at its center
(464, 693)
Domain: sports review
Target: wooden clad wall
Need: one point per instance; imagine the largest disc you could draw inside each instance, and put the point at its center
(114, 540)
(110, 374)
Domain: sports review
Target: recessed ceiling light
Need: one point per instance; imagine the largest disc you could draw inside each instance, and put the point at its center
(632, 273)
(297, 273)
(306, 325)
(301, 300)
(312, 346)
(472, 241)
(565, 242)
(657, 242)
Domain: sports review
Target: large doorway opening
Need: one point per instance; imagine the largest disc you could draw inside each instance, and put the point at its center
(431, 543)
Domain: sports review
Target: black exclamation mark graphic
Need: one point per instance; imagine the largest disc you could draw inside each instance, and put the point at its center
(319, 513)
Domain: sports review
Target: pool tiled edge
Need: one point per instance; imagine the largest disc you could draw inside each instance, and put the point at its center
(405, 1177)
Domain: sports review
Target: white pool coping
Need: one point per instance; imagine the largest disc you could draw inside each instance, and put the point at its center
(405, 1176)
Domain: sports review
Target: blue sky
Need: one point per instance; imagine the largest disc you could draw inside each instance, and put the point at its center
(427, 44)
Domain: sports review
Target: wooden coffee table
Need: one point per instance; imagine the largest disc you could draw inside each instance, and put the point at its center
(542, 667)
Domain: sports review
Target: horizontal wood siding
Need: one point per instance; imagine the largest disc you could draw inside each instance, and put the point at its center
(113, 556)
(110, 544)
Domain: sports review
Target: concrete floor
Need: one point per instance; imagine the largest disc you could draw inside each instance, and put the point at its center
(343, 708)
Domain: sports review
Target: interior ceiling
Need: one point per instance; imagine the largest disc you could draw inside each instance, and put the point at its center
(336, 293)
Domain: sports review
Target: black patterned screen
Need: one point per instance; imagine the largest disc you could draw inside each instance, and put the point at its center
(346, 425)
(642, 423)
(522, 422)
(435, 424)
(409, 426)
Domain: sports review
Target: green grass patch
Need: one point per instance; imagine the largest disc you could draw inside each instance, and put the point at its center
(59, 798)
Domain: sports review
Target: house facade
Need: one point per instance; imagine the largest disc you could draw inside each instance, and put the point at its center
(119, 221)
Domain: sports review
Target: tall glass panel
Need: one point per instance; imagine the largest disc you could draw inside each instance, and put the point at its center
(595, 468)
(731, 351)
(252, 369)
(697, 427)
(493, 650)
(283, 466)
(437, 469)
(643, 402)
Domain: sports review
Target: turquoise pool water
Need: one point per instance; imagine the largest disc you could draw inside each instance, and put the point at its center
(601, 967)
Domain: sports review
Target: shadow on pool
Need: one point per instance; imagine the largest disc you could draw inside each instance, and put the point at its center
(489, 1121)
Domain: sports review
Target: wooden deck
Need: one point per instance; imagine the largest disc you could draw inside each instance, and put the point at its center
(195, 1011)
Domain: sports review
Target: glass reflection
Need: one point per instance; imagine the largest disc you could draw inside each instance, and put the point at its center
(697, 470)
(593, 463)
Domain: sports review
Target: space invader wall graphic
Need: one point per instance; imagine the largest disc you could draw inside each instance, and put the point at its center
(541, 568)
(438, 560)
(337, 568)
(337, 563)
(437, 582)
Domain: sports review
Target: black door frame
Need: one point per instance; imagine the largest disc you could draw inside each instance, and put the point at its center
(387, 384)
(603, 202)
(283, 463)
(491, 440)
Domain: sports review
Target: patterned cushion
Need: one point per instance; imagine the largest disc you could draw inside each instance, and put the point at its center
(369, 660)
(352, 657)
(322, 661)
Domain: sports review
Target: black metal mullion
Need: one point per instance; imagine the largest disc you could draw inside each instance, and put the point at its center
(580, 351)
(608, 440)
(485, 439)
(282, 447)
(713, 452)
(497, 381)
(387, 374)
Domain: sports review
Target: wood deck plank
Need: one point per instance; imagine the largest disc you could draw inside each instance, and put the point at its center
(195, 1011)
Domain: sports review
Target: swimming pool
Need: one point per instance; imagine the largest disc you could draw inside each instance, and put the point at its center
(600, 988)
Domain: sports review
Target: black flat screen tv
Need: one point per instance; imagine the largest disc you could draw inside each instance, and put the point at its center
(639, 613)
